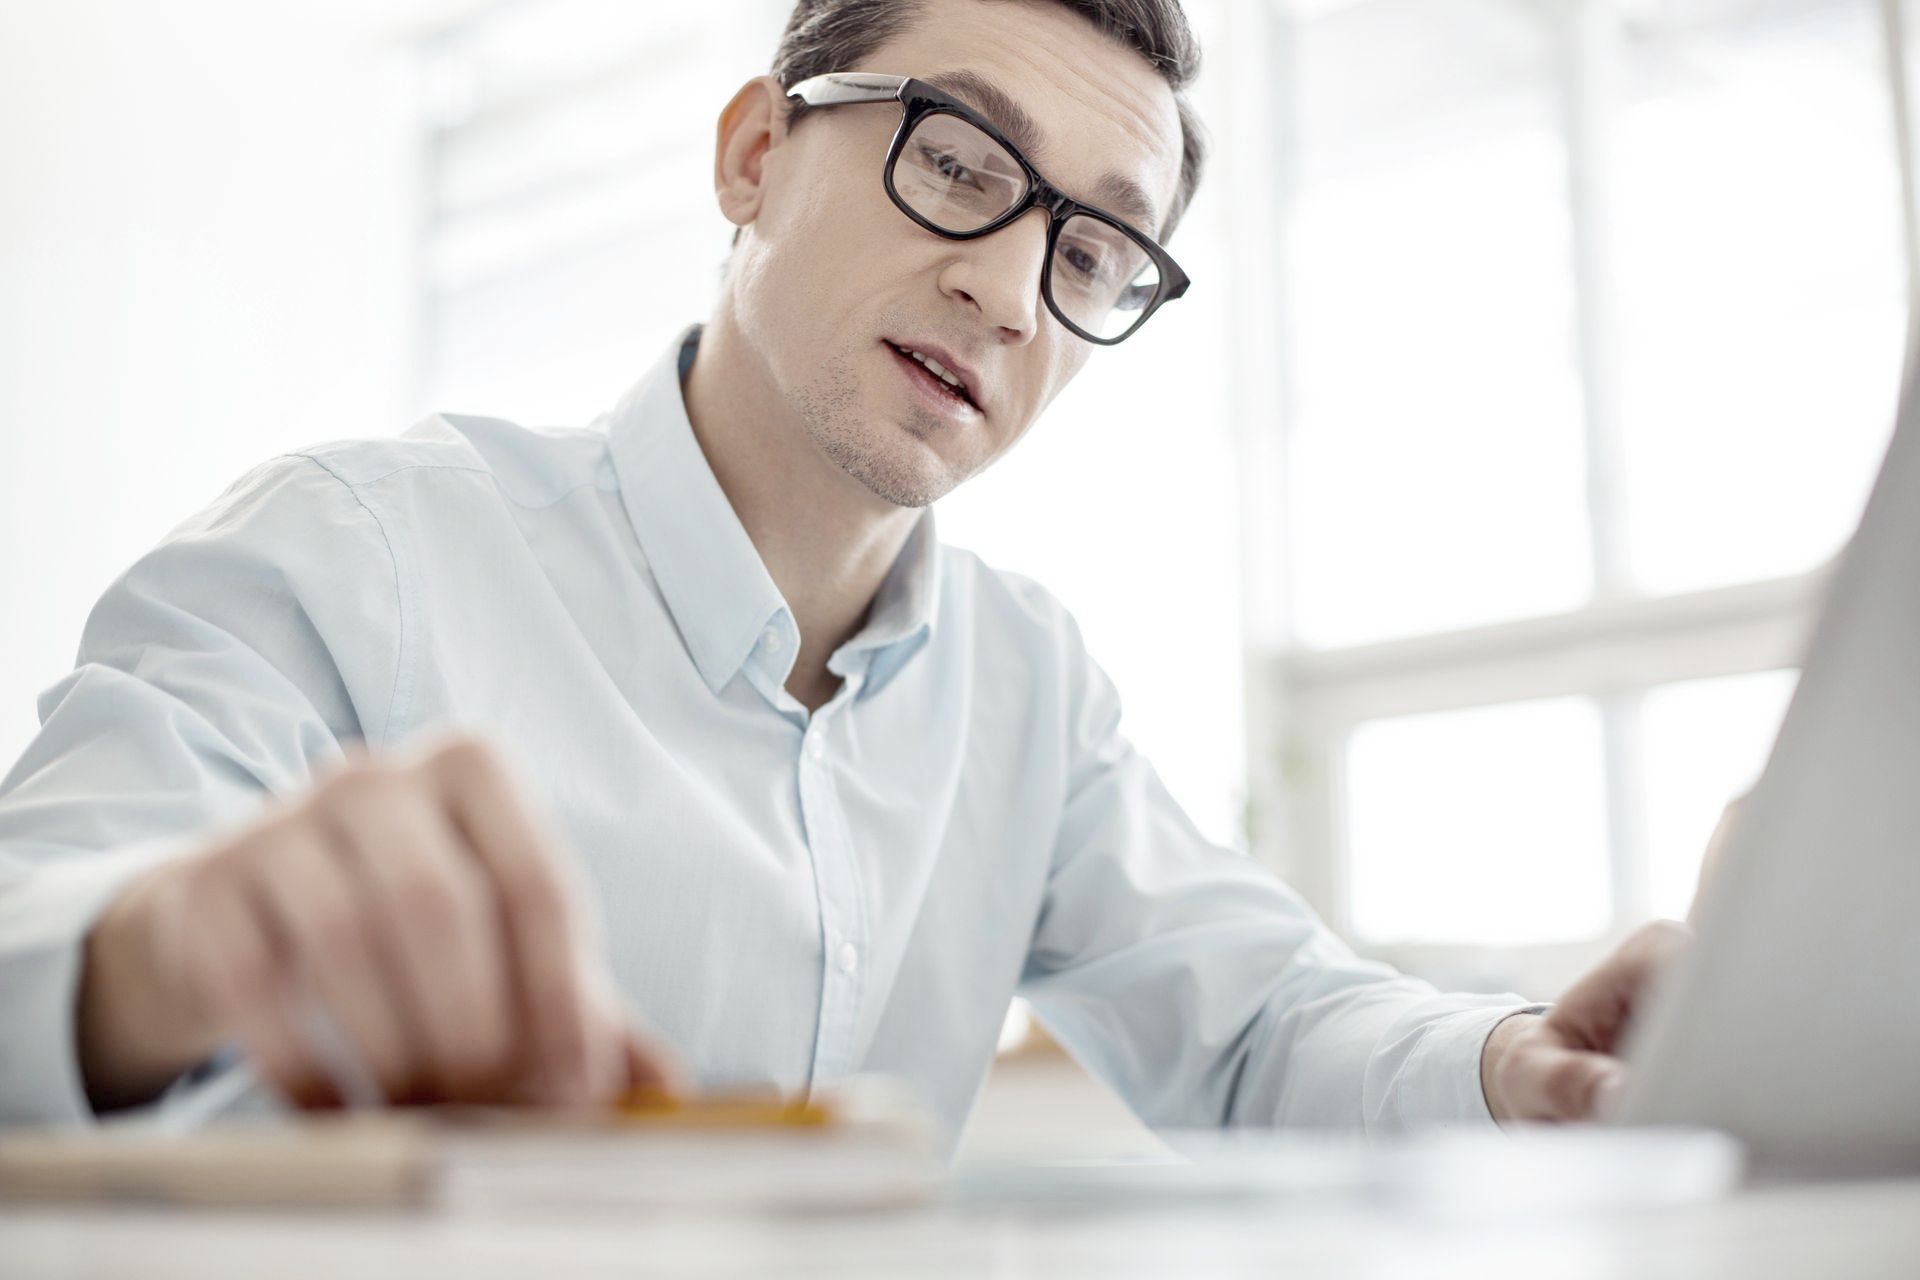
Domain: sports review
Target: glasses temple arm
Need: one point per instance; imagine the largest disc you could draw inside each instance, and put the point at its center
(836, 88)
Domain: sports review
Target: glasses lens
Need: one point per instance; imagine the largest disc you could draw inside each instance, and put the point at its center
(955, 176)
(1102, 278)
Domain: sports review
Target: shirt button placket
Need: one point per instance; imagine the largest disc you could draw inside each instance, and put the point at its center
(840, 916)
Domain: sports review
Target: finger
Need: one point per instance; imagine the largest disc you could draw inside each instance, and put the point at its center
(354, 756)
(650, 1066)
(437, 908)
(1606, 1099)
(1561, 1084)
(1595, 1011)
(233, 961)
(273, 1037)
(538, 907)
(625, 1056)
(312, 910)
(1710, 856)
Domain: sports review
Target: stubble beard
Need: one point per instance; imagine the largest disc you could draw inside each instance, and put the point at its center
(875, 454)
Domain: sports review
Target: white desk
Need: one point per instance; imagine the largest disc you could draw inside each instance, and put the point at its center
(1823, 1231)
(1032, 1110)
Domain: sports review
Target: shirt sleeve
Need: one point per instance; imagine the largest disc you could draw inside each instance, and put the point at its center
(1207, 992)
(226, 665)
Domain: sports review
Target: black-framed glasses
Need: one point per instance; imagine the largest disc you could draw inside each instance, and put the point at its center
(958, 176)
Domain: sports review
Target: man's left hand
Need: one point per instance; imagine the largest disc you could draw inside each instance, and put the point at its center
(1564, 1066)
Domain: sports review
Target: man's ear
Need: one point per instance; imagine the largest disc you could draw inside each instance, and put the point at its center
(753, 123)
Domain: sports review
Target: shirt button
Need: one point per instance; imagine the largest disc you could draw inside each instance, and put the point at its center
(849, 957)
(770, 638)
(816, 746)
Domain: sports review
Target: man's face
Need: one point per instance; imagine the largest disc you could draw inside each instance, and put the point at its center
(832, 277)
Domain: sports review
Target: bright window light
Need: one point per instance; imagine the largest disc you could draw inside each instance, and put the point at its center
(1595, 310)
(1706, 742)
(1436, 441)
(1484, 826)
(1761, 278)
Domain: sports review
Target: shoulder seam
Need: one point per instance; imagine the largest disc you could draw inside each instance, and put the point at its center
(399, 597)
(498, 488)
(405, 466)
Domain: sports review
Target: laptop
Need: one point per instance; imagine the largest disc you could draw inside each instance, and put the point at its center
(1793, 1023)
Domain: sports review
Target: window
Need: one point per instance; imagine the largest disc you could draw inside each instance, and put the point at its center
(1756, 206)
(1437, 408)
(1478, 826)
(1706, 741)
(570, 229)
(1595, 322)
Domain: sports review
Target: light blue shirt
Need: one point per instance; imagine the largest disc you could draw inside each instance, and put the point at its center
(790, 898)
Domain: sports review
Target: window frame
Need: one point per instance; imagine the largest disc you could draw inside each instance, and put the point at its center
(1304, 703)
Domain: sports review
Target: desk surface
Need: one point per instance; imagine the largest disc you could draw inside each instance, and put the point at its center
(1824, 1230)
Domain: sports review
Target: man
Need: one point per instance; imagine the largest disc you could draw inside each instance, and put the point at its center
(678, 749)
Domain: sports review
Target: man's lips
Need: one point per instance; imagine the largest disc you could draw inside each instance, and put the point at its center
(946, 395)
(970, 386)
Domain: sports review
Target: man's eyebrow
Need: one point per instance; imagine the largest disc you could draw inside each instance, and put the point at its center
(1115, 192)
(993, 102)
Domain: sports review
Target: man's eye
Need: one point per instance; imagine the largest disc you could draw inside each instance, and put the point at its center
(1080, 260)
(948, 167)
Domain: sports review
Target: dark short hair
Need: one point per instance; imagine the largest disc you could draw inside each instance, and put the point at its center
(836, 35)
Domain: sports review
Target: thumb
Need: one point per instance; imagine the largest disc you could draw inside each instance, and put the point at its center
(1572, 1084)
(651, 1067)
(1594, 1012)
(1606, 1099)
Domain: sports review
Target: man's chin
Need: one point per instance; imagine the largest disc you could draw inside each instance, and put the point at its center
(902, 472)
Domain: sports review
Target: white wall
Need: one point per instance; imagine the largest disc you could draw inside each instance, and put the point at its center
(206, 222)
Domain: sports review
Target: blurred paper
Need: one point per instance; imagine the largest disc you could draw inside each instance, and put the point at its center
(1443, 1174)
(864, 1146)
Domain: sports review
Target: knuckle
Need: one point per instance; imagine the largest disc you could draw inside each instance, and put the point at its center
(237, 853)
(431, 901)
(335, 931)
(466, 757)
(357, 790)
(1661, 937)
(196, 878)
(234, 981)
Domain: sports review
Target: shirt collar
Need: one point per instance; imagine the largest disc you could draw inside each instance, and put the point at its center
(712, 577)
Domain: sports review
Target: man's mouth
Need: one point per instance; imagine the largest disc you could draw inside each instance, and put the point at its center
(943, 379)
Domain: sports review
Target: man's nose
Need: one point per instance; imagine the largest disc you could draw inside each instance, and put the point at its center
(1000, 274)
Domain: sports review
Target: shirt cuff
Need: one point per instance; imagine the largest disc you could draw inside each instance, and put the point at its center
(1439, 1079)
(47, 909)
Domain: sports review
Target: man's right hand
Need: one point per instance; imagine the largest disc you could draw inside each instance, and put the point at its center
(418, 900)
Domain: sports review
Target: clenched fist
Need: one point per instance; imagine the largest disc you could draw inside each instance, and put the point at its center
(419, 900)
(1565, 1066)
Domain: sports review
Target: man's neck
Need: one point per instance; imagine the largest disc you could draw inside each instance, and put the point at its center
(827, 541)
